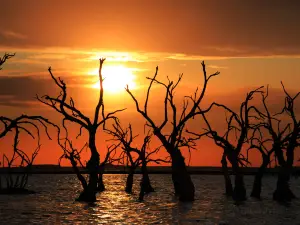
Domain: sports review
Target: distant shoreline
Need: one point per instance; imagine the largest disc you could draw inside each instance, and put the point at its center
(113, 169)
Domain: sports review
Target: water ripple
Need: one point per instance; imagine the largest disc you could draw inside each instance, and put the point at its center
(54, 204)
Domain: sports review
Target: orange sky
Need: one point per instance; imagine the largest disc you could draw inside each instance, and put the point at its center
(251, 44)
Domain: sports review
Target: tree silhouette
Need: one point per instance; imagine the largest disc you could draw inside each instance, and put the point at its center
(110, 158)
(5, 57)
(21, 123)
(21, 158)
(66, 107)
(284, 142)
(238, 126)
(174, 141)
(16, 183)
(134, 157)
(74, 157)
(263, 144)
(261, 141)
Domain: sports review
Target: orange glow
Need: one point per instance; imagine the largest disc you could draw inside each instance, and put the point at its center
(115, 78)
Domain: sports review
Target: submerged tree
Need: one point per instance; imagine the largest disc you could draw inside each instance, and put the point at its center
(261, 141)
(284, 142)
(233, 141)
(74, 156)
(109, 158)
(262, 145)
(174, 140)
(25, 124)
(66, 107)
(16, 183)
(129, 155)
(135, 157)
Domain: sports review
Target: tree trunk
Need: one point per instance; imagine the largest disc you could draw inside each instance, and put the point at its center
(182, 181)
(283, 192)
(142, 191)
(146, 180)
(256, 189)
(129, 181)
(228, 185)
(147, 184)
(77, 172)
(101, 186)
(89, 193)
(239, 191)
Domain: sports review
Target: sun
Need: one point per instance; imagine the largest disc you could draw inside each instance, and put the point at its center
(115, 78)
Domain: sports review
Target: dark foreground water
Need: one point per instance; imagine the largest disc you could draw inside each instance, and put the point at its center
(54, 204)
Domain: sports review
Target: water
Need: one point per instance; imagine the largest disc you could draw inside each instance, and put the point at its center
(54, 204)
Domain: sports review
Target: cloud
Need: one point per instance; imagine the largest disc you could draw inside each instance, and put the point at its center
(209, 28)
(21, 90)
(217, 67)
(48, 56)
(12, 34)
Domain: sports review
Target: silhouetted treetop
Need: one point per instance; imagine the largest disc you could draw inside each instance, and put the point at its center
(6, 57)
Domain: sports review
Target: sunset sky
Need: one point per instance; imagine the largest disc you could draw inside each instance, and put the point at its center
(252, 43)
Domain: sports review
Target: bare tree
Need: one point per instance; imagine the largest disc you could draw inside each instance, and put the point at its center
(16, 183)
(261, 141)
(135, 157)
(74, 156)
(66, 107)
(174, 141)
(109, 158)
(146, 156)
(6, 57)
(233, 141)
(263, 144)
(23, 123)
(129, 155)
(284, 142)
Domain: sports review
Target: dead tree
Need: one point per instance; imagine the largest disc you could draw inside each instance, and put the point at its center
(16, 182)
(66, 107)
(263, 144)
(110, 158)
(135, 157)
(129, 156)
(284, 142)
(232, 142)
(146, 156)
(5, 57)
(74, 156)
(24, 162)
(222, 142)
(23, 123)
(174, 140)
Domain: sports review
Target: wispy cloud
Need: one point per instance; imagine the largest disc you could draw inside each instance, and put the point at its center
(48, 56)
(217, 67)
(186, 57)
(12, 34)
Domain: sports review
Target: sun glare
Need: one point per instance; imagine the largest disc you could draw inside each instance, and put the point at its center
(115, 78)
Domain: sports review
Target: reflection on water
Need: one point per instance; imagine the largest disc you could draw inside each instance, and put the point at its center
(54, 204)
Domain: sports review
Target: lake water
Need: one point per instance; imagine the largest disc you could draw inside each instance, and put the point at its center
(54, 203)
